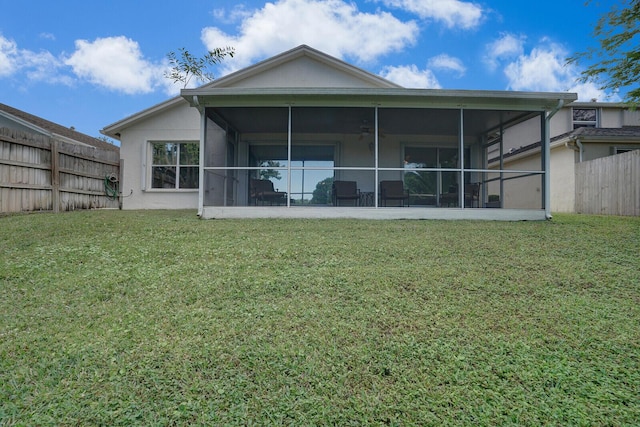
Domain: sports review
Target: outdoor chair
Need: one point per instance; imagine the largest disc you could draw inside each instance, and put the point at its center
(472, 195)
(393, 190)
(450, 198)
(345, 190)
(261, 190)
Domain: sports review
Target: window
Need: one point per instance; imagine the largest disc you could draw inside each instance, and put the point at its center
(585, 117)
(175, 165)
(620, 150)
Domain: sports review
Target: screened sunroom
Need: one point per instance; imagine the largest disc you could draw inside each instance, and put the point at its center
(371, 153)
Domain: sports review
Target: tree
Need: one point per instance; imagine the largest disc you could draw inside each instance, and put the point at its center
(185, 66)
(270, 173)
(617, 57)
(322, 192)
(107, 140)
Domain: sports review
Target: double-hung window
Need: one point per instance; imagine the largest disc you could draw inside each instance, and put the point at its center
(585, 117)
(175, 165)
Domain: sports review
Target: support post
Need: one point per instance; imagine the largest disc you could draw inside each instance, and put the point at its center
(546, 149)
(461, 148)
(289, 160)
(203, 135)
(376, 174)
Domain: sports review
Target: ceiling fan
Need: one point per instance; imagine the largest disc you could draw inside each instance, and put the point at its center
(367, 130)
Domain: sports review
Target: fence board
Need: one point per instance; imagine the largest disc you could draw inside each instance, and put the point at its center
(609, 185)
(40, 173)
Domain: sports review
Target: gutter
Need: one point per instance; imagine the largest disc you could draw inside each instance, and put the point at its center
(578, 147)
(547, 158)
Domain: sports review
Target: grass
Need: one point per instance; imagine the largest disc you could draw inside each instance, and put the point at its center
(158, 318)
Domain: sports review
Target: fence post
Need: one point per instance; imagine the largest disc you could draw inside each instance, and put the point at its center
(55, 176)
(120, 178)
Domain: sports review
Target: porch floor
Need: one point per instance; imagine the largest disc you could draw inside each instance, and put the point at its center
(211, 212)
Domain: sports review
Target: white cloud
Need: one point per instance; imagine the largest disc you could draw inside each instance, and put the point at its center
(453, 13)
(36, 66)
(332, 26)
(117, 64)
(506, 47)
(47, 36)
(8, 56)
(590, 91)
(410, 76)
(236, 14)
(45, 67)
(545, 69)
(447, 63)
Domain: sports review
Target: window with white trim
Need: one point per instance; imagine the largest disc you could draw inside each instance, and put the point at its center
(620, 150)
(585, 117)
(174, 165)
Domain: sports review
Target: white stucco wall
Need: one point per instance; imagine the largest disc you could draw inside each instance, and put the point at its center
(631, 118)
(563, 185)
(180, 123)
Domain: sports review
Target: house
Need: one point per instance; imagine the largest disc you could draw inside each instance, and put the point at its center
(48, 167)
(580, 132)
(19, 120)
(304, 134)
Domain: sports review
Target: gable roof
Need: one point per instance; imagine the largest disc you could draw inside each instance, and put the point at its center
(358, 77)
(245, 76)
(51, 129)
(624, 134)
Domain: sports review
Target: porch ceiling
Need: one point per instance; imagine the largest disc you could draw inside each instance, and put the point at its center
(354, 120)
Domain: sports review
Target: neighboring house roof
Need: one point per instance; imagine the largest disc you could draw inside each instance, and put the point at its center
(624, 134)
(51, 129)
(594, 133)
(262, 71)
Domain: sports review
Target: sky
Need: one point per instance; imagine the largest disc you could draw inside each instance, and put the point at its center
(89, 64)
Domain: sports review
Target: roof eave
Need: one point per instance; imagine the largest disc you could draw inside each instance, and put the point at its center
(542, 101)
(113, 130)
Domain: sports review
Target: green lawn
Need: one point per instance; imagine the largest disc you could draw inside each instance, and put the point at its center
(159, 318)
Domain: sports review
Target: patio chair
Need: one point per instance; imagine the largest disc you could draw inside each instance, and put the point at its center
(261, 190)
(393, 190)
(450, 198)
(472, 195)
(345, 190)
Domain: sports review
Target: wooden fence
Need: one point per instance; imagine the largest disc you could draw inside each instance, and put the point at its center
(38, 173)
(609, 185)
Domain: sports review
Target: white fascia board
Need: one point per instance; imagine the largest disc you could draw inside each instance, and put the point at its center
(597, 104)
(114, 129)
(391, 97)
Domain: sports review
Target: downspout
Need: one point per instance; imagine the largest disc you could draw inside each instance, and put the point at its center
(547, 159)
(578, 147)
